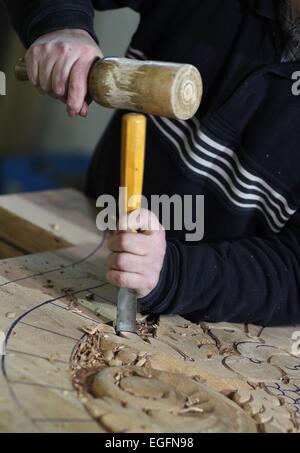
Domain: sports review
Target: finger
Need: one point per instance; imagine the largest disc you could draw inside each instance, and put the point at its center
(45, 75)
(32, 68)
(77, 87)
(128, 242)
(126, 262)
(54, 94)
(60, 76)
(140, 220)
(85, 110)
(124, 279)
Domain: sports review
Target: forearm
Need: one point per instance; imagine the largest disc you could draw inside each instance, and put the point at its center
(34, 18)
(252, 281)
(31, 19)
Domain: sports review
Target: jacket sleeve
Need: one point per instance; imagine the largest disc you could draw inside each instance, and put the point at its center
(33, 18)
(251, 281)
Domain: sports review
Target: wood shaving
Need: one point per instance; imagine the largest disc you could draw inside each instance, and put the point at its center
(146, 329)
(53, 358)
(141, 362)
(190, 410)
(10, 315)
(76, 311)
(90, 330)
(91, 357)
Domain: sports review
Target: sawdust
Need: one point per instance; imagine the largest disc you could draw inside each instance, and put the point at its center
(91, 356)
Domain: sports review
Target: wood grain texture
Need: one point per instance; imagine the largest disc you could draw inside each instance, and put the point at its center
(41, 294)
(44, 221)
(149, 87)
(8, 250)
(56, 309)
(267, 393)
(23, 236)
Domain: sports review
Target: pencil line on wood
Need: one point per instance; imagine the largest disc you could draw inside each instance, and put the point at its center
(9, 333)
(57, 269)
(74, 313)
(35, 356)
(48, 331)
(63, 420)
(104, 298)
(44, 386)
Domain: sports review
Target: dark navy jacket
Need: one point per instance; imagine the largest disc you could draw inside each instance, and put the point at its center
(241, 151)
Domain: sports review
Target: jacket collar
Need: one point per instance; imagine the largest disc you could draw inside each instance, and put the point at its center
(265, 8)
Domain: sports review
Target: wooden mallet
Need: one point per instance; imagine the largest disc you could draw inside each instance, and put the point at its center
(151, 87)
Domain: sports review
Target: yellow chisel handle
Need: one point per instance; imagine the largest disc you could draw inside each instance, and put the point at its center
(132, 160)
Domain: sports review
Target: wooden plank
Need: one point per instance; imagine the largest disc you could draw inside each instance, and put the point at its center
(65, 216)
(43, 323)
(38, 308)
(9, 251)
(19, 234)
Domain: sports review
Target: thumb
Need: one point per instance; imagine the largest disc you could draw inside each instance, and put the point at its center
(140, 220)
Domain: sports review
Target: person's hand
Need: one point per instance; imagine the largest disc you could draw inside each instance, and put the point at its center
(58, 64)
(136, 260)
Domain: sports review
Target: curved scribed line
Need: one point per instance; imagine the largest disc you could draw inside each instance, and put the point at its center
(17, 321)
(68, 266)
(12, 327)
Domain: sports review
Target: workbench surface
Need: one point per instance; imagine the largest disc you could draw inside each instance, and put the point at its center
(53, 292)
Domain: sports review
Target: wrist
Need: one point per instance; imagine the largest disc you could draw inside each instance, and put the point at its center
(160, 299)
(56, 22)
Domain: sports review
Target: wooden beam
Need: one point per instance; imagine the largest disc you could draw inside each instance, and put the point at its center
(45, 221)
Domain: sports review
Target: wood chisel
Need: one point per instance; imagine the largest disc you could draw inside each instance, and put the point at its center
(132, 174)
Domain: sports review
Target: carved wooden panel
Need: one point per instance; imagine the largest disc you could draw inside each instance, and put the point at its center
(65, 369)
(209, 365)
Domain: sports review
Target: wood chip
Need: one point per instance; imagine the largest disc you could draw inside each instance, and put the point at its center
(53, 358)
(55, 227)
(10, 315)
(90, 330)
(141, 362)
(191, 410)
